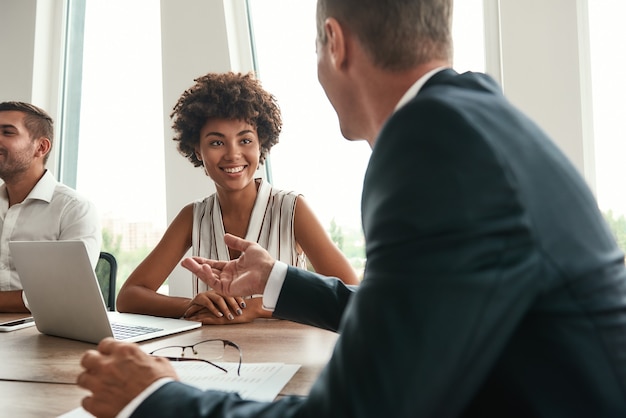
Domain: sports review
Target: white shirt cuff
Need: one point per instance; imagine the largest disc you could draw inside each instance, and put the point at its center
(274, 285)
(132, 405)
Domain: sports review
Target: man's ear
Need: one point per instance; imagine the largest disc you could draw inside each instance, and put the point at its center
(44, 146)
(335, 36)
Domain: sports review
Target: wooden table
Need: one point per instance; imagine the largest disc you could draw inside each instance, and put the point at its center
(38, 372)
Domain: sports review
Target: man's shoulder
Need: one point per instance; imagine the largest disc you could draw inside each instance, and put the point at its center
(468, 80)
(63, 192)
(447, 96)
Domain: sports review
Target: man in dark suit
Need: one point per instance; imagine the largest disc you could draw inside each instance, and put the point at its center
(493, 286)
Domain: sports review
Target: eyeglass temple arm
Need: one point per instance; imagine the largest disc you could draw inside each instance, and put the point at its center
(196, 359)
(232, 344)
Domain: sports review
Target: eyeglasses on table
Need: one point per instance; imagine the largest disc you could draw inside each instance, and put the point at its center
(204, 351)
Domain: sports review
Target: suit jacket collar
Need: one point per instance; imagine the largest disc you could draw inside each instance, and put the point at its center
(443, 76)
(416, 87)
(468, 80)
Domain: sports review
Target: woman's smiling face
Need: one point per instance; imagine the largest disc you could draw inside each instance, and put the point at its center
(230, 152)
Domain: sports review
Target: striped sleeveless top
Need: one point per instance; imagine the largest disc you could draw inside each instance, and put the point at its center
(271, 226)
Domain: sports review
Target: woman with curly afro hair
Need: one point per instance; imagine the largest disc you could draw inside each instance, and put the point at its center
(226, 124)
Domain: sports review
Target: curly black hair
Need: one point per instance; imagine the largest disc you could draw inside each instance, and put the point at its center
(226, 96)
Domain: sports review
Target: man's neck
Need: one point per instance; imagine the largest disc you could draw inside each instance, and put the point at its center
(20, 186)
(383, 90)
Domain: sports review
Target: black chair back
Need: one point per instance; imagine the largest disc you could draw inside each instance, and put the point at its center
(106, 271)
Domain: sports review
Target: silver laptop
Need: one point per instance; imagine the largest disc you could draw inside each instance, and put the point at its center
(65, 299)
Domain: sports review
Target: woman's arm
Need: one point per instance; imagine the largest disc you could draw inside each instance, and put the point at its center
(320, 250)
(139, 292)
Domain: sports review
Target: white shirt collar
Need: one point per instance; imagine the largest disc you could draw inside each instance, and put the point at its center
(415, 88)
(44, 189)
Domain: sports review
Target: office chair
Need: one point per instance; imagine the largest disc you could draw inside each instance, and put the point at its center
(106, 271)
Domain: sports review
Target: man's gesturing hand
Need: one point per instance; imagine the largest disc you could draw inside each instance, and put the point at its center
(247, 275)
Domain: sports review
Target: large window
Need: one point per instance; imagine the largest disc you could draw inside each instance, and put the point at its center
(312, 157)
(120, 149)
(118, 117)
(607, 32)
(115, 103)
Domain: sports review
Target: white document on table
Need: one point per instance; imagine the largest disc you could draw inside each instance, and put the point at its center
(258, 381)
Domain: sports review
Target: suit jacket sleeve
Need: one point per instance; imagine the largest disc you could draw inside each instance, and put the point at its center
(303, 293)
(176, 399)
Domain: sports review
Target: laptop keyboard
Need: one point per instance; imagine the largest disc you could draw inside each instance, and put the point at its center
(124, 331)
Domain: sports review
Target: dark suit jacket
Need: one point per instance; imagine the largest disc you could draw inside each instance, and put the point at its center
(493, 286)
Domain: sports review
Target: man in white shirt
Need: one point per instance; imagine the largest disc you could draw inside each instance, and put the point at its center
(33, 204)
